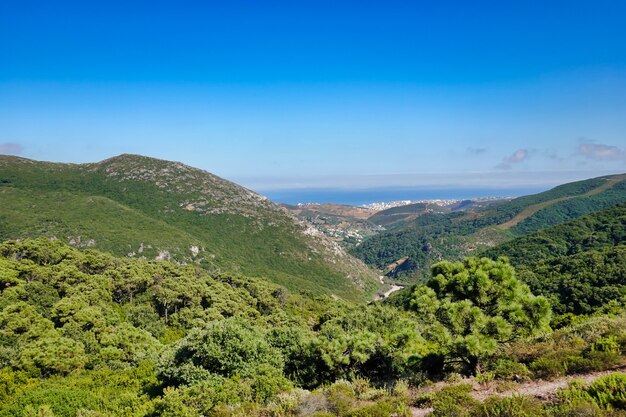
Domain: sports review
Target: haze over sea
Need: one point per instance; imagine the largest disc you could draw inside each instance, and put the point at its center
(375, 195)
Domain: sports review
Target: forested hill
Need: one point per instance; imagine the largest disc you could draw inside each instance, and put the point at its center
(580, 265)
(148, 208)
(600, 230)
(432, 237)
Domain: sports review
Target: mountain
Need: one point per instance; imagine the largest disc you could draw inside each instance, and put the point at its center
(580, 265)
(600, 230)
(431, 237)
(143, 207)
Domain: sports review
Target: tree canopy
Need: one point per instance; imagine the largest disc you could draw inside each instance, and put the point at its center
(475, 305)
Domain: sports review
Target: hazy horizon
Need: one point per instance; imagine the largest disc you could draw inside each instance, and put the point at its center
(360, 197)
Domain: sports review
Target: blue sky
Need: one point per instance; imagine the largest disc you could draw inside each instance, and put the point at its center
(347, 94)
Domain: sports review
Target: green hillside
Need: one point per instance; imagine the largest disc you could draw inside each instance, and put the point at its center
(580, 265)
(432, 237)
(600, 230)
(142, 207)
(397, 216)
(582, 283)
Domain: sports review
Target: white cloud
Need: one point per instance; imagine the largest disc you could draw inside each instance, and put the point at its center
(516, 157)
(601, 152)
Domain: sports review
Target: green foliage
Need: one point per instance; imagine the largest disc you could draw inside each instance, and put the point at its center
(88, 393)
(507, 369)
(380, 409)
(299, 348)
(581, 283)
(453, 401)
(515, 406)
(374, 342)
(607, 195)
(224, 348)
(435, 236)
(593, 345)
(579, 265)
(599, 230)
(475, 306)
(608, 393)
(172, 209)
(86, 334)
(52, 354)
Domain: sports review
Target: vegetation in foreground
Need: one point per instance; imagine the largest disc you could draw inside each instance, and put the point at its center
(83, 333)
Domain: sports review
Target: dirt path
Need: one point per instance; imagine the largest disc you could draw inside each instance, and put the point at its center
(393, 289)
(390, 291)
(530, 210)
(543, 390)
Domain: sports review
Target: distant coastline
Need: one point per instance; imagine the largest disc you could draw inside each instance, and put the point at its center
(369, 196)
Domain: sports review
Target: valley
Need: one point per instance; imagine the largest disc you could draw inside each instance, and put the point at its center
(142, 287)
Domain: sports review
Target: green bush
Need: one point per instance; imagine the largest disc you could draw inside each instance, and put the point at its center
(511, 370)
(225, 348)
(605, 393)
(609, 391)
(607, 344)
(515, 406)
(61, 401)
(567, 362)
(453, 401)
(341, 397)
(380, 409)
(549, 367)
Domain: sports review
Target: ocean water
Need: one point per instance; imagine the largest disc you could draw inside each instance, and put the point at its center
(367, 196)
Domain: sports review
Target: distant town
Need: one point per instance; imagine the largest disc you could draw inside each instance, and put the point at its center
(384, 205)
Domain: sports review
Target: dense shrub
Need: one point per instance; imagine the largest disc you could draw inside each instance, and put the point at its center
(88, 335)
(607, 393)
(453, 401)
(515, 406)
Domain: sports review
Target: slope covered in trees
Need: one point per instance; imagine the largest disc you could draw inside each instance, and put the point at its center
(83, 333)
(580, 265)
(600, 230)
(582, 283)
(85, 330)
(142, 207)
(433, 237)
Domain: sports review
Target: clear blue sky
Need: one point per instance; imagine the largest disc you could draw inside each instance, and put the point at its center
(322, 93)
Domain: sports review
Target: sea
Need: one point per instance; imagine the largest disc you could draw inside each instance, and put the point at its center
(367, 196)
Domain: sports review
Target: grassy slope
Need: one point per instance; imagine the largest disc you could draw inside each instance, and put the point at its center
(129, 201)
(532, 209)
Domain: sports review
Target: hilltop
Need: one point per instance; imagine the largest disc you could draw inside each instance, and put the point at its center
(142, 207)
